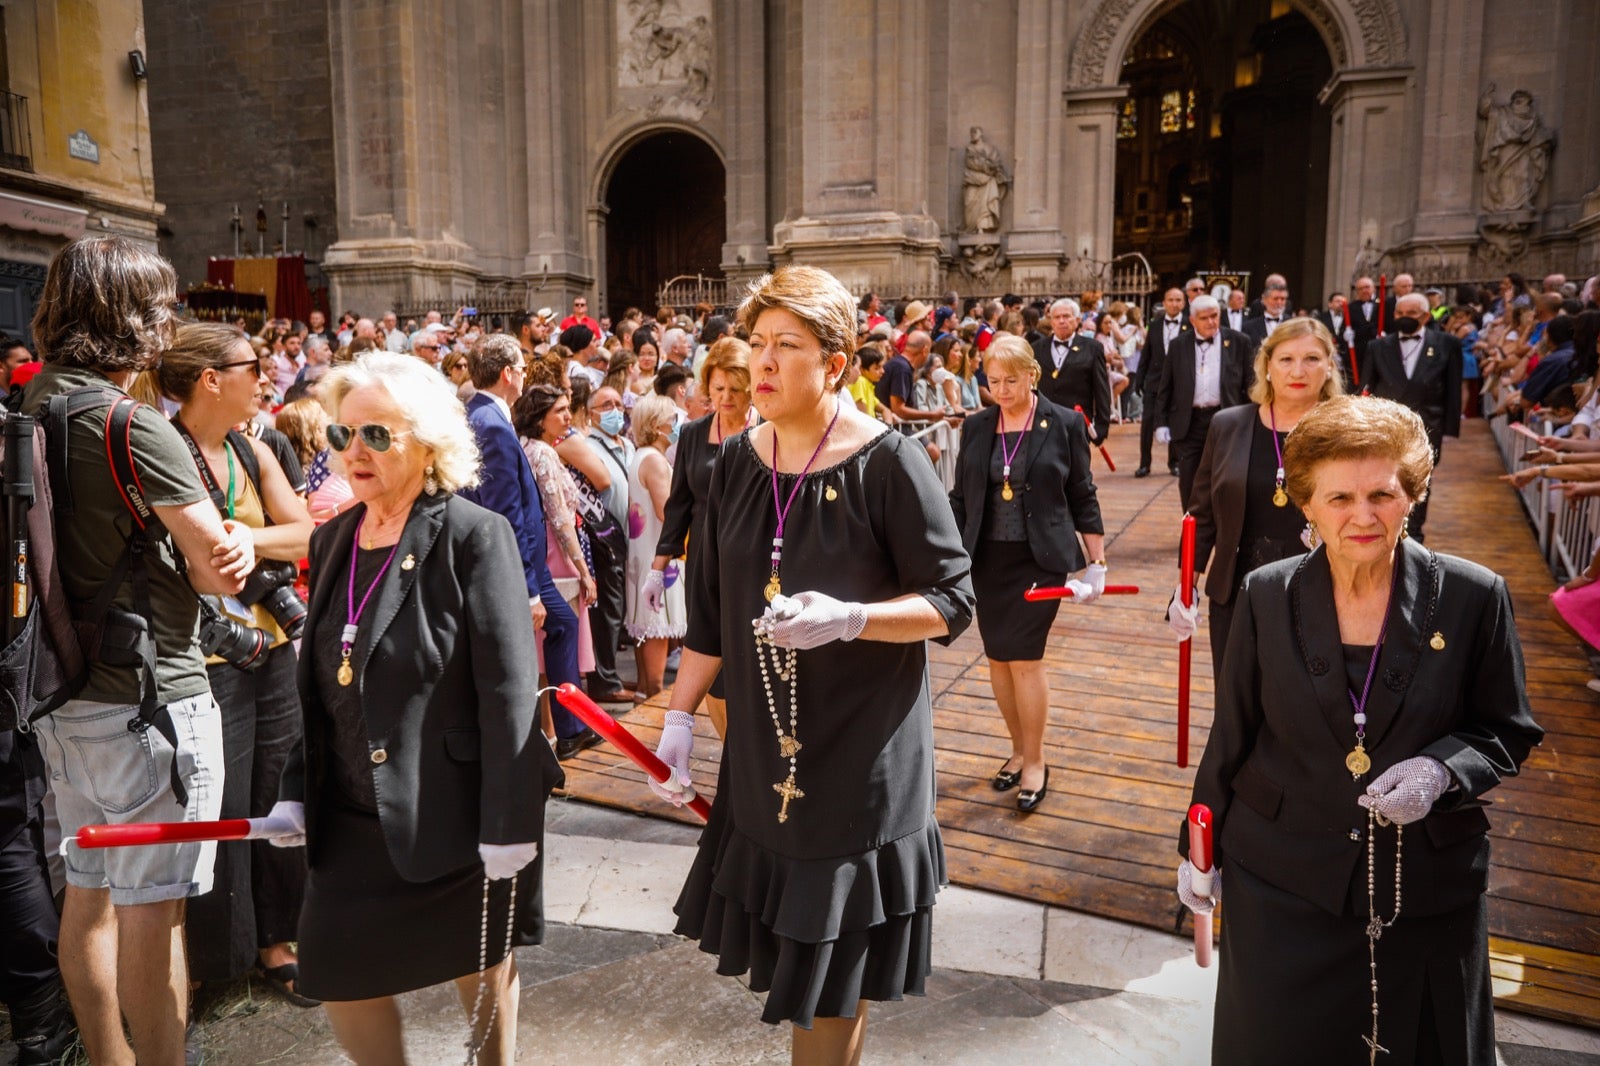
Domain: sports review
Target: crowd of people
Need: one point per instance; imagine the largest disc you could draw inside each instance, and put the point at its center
(381, 546)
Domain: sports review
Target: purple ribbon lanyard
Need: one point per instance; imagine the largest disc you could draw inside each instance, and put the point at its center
(1006, 455)
(1360, 705)
(783, 507)
(347, 638)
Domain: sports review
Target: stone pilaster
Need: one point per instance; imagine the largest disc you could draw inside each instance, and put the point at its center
(1364, 200)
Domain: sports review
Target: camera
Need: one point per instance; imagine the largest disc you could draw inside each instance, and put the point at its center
(238, 644)
(271, 584)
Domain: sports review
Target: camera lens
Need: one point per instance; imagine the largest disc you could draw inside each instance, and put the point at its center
(271, 584)
(238, 644)
(287, 609)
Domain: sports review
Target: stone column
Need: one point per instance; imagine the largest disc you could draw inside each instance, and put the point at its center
(1089, 170)
(1446, 215)
(1365, 205)
(1035, 244)
(556, 266)
(741, 34)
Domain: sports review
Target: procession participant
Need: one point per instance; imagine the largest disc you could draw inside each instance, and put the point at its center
(725, 378)
(1164, 330)
(1372, 673)
(818, 868)
(1022, 497)
(1240, 503)
(423, 772)
(1074, 369)
(1203, 373)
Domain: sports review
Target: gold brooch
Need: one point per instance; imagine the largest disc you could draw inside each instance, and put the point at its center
(409, 562)
(1437, 643)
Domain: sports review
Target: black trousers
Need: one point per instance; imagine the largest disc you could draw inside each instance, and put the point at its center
(1189, 449)
(257, 891)
(1419, 512)
(29, 927)
(607, 611)
(1147, 426)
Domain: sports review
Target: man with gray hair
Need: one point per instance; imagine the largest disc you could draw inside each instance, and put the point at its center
(1420, 368)
(1073, 369)
(1194, 287)
(1207, 369)
(317, 353)
(1274, 312)
(394, 338)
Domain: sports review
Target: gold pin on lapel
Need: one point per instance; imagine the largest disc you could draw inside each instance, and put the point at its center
(831, 493)
(1043, 422)
(1430, 351)
(409, 562)
(1437, 643)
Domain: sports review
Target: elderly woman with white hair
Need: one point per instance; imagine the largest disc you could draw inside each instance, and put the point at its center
(423, 774)
(1206, 370)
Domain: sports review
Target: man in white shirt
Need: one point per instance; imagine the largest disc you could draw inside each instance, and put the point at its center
(394, 339)
(1206, 370)
(1236, 312)
(1275, 309)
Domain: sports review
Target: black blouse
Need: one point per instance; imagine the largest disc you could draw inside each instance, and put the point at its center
(1270, 532)
(1003, 519)
(351, 763)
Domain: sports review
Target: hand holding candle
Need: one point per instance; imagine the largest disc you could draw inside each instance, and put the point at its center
(1066, 592)
(1201, 881)
(1186, 591)
(1104, 452)
(601, 722)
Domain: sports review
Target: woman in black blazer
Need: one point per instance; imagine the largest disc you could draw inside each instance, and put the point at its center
(1022, 497)
(1373, 692)
(1239, 502)
(424, 774)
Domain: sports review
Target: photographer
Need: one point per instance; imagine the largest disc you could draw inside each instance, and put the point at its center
(105, 314)
(210, 373)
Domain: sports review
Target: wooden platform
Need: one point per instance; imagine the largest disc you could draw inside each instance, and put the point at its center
(1104, 841)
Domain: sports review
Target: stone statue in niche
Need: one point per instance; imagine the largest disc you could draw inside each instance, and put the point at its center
(984, 184)
(664, 43)
(1514, 148)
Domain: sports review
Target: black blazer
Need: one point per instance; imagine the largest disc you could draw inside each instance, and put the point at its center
(1218, 498)
(448, 681)
(1083, 380)
(1433, 391)
(1058, 495)
(1273, 771)
(1155, 351)
(1175, 395)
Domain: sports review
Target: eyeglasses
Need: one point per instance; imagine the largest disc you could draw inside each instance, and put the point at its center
(378, 438)
(230, 366)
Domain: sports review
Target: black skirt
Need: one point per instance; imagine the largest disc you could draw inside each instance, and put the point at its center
(366, 932)
(1013, 629)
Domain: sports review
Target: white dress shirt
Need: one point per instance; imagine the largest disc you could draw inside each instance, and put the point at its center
(1207, 371)
(1170, 328)
(1236, 320)
(1410, 351)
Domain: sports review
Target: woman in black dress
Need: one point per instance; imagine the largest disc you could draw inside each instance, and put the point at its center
(424, 774)
(1372, 693)
(832, 558)
(725, 379)
(1240, 505)
(1023, 495)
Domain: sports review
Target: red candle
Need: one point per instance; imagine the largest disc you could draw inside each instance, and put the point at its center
(1186, 593)
(1200, 859)
(1061, 592)
(139, 833)
(645, 759)
(1104, 452)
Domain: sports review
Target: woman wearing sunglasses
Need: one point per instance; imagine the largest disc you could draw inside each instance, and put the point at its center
(423, 774)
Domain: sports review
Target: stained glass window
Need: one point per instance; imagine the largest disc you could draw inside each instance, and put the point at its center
(1171, 111)
(1188, 112)
(1128, 120)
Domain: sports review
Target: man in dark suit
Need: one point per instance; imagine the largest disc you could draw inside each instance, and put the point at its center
(1236, 313)
(1420, 368)
(1206, 371)
(1074, 369)
(1274, 312)
(1364, 317)
(1404, 285)
(498, 369)
(1171, 323)
(1258, 306)
(1336, 316)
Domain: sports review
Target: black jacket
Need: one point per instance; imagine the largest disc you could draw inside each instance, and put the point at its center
(1155, 351)
(449, 686)
(1255, 328)
(1218, 498)
(1082, 381)
(1433, 390)
(1058, 495)
(1273, 771)
(1175, 394)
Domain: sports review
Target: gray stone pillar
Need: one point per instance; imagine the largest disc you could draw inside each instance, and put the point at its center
(1089, 173)
(1365, 204)
(744, 103)
(1446, 215)
(1035, 244)
(554, 149)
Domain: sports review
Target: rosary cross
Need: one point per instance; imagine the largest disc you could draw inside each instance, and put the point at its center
(788, 791)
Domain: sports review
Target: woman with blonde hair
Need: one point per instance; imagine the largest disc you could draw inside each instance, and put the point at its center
(656, 611)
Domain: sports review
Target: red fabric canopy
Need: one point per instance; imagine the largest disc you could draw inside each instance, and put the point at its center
(284, 286)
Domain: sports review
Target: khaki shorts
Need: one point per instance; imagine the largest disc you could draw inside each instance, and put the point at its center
(103, 773)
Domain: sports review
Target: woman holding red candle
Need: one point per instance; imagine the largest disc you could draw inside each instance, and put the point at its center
(1373, 691)
(831, 558)
(1022, 498)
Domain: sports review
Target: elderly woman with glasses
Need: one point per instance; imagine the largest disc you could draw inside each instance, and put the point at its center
(423, 774)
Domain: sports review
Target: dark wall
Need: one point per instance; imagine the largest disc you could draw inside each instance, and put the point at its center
(240, 112)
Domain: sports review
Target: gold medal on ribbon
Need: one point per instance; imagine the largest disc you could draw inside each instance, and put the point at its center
(1005, 492)
(1358, 762)
(1280, 498)
(772, 589)
(345, 674)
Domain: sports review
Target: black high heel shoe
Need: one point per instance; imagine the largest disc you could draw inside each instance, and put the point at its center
(1027, 800)
(1006, 780)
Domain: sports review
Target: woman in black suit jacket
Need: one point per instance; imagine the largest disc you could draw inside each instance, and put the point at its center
(1239, 504)
(1370, 686)
(1023, 495)
(424, 775)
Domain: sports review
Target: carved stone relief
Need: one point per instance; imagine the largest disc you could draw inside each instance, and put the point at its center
(665, 46)
(1514, 149)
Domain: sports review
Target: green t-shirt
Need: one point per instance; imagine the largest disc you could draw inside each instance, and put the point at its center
(89, 543)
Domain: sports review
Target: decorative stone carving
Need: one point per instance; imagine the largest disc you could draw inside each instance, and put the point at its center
(984, 183)
(1514, 149)
(981, 256)
(666, 45)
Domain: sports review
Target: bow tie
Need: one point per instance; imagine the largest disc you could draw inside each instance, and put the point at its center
(1174, 321)
(1410, 338)
(1274, 318)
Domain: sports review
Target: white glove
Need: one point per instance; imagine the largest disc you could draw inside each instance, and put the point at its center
(1183, 621)
(1349, 336)
(1093, 584)
(820, 620)
(1163, 435)
(1082, 591)
(283, 827)
(677, 744)
(655, 590)
(1193, 900)
(501, 861)
(1407, 791)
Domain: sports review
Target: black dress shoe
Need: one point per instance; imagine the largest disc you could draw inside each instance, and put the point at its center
(1028, 800)
(1173, 469)
(1006, 780)
(567, 747)
(1143, 471)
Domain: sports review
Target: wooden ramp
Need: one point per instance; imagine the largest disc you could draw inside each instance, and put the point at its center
(1104, 841)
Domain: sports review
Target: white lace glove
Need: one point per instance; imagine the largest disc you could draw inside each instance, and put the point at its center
(1407, 791)
(283, 827)
(677, 744)
(1163, 435)
(501, 861)
(1183, 621)
(820, 619)
(1193, 900)
(655, 590)
(1091, 587)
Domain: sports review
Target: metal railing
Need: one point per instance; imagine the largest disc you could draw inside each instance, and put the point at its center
(946, 439)
(16, 136)
(684, 291)
(1565, 529)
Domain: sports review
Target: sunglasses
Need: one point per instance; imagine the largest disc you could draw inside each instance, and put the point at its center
(378, 438)
(242, 362)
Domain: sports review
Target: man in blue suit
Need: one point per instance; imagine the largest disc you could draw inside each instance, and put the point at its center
(498, 368)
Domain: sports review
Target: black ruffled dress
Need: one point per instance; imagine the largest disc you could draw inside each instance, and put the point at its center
(833, 905)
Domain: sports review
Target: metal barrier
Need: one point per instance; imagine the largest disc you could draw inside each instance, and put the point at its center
(947, 440)
(1566, 532)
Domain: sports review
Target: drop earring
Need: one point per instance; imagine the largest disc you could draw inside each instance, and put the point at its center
(1310, 537)
(430, 484)
(1405, 527)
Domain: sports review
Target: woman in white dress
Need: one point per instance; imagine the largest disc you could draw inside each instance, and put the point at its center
(655, 428)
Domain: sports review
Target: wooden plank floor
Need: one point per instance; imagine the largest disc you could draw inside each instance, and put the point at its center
(1104, 840)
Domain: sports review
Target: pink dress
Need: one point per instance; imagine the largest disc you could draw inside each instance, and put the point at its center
(559, 496)
(1580, 609)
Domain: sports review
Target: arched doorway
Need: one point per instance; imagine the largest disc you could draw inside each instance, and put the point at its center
(1222, 145)
(666, 214)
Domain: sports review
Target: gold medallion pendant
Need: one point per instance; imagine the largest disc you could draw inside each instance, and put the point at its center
(345, 674)
(772, 589)
(1437, 643)
(1280, 498)
(1358, 762)
(1005, 491)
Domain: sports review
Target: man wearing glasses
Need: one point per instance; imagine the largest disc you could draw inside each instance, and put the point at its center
(580, 316)
(428, 345)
